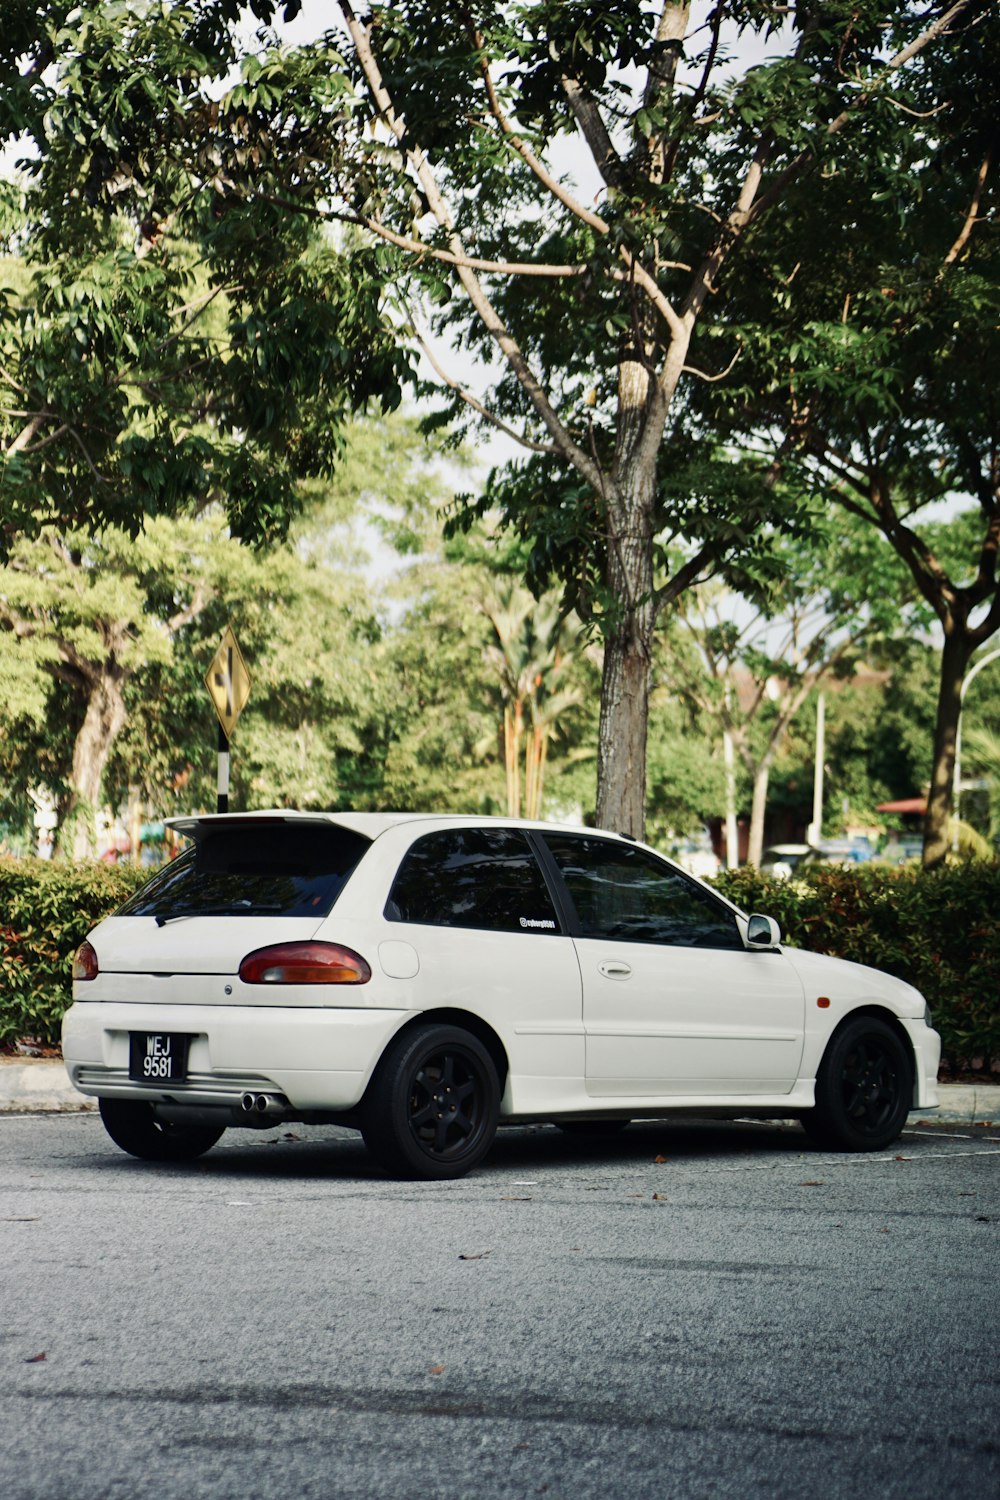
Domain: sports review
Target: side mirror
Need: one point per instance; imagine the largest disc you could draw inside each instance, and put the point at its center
(763, 933)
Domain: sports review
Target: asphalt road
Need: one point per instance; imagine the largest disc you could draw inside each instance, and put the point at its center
(744, 1317)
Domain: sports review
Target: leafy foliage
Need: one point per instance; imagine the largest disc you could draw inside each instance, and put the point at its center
(46, 911)
(365, 694)
(432, 132)
(164, 351)
(936, 930)
(869, 361)
(751, 666)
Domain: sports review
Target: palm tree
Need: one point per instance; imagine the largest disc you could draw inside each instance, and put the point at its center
(535, 644)
(985, 747)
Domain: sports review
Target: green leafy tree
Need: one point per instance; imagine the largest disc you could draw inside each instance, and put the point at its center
(353, 632)
(870, 356)
(441, 735)
(160, 348)
(106, 641)
(311, 733)
(879, 722)
(686, 774)
(532, 654)
(431, 129)
(758, 664)
(78, 628)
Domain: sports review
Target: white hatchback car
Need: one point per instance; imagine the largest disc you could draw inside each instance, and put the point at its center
(423, 978)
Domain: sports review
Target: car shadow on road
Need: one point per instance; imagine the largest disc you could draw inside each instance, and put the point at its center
(331, 1153)
(688, 1139)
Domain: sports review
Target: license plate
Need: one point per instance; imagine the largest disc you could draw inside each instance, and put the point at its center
(157, 1056)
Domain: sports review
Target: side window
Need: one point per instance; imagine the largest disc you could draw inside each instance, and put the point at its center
(473, 877)
(624, 893)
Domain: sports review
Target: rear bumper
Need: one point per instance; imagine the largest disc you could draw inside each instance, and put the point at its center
(233, 1050)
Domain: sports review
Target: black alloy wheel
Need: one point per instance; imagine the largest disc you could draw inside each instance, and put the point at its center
(133, 1126)
(864, 1088)
(432, 1107)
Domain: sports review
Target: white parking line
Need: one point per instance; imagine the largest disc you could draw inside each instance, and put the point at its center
(876, 1161)
(949, 1135)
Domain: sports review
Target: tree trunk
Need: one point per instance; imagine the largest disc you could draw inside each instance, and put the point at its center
(628, 643)
(512, 730)
(621, 744)
(103, 721)
(543, 758)
(536, 743)
(758, 812)
(937, 825)
(732, 829)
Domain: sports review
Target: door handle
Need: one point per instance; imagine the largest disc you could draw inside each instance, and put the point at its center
(615, 969)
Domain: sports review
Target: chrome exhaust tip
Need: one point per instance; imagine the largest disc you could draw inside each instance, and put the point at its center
(264, 1104)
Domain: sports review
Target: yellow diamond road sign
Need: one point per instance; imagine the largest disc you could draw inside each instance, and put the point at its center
(228, 682)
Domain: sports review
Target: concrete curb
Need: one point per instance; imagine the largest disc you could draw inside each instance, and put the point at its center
(962, 1104)
(36, 1085)
(30, 1085)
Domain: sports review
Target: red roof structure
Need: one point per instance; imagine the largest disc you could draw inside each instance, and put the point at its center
(905, 805)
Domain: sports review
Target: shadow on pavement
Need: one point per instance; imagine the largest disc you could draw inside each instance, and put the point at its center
(326, 1153)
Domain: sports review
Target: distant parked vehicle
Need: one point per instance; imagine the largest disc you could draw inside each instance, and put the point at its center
(697, 857)
(422, 979)
(784, 860)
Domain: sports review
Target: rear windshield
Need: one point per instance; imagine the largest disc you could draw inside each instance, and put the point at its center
(254, 869)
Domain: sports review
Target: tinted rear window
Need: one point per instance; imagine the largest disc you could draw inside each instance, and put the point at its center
(254, 869)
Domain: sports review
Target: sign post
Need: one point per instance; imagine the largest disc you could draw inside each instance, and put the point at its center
(222, 804)
(228, 683)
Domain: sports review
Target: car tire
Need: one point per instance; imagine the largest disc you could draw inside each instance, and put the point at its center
(864, 1088)
(432, 1107)
(133, 1126)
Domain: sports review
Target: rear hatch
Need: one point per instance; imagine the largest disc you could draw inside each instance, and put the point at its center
(242, 884)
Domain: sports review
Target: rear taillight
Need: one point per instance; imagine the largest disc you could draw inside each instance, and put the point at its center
(85, 965)
(304, 963)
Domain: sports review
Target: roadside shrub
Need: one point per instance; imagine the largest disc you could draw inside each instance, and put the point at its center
(46, 911)
(938, 931)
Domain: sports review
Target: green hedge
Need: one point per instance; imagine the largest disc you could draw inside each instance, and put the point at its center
(46, 911)
(938, 931)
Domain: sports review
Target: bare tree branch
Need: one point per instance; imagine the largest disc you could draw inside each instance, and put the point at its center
(687, 574)
(711, 379)
(671, 30)
(191, 611)
(972, 216)
(663, 305)
(199, 303)
(51, 437)
(594, 131)
(474, 402)
(521, 146)
(101, 478)
(488, 315)
(865, 95)
(26, 434)
(15, 385)
(467, 262)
